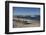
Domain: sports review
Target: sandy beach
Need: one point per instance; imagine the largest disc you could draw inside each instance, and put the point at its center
(21, 24)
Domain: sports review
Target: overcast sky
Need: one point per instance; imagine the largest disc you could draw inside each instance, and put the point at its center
(26, 11)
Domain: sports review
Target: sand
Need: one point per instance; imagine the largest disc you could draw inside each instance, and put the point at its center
(21, 24)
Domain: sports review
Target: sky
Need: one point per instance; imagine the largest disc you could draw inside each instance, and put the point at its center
(26, 11)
